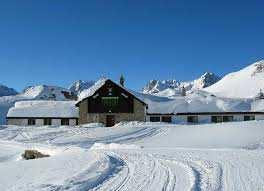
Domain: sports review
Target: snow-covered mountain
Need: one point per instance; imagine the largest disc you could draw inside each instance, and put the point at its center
(80, 85)
(6, 91)
(245, 83)
(168, 88)
(45, 92)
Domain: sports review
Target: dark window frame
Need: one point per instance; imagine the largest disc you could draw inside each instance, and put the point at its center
(31, 121)
(167, 119)
(215, 119)
(228, 118)
(249, 117)
(154, 118)
(47, 121)
(65, 122)
(192, 119)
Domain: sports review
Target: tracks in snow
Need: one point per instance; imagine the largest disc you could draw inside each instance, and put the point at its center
(141, 171)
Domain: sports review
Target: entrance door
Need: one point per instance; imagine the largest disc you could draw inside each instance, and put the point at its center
(110, 120)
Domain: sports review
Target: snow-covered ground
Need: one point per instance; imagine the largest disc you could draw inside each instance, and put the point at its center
(135, 156)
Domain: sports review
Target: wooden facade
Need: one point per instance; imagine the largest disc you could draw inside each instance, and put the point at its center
(110, 104)
(111, 98)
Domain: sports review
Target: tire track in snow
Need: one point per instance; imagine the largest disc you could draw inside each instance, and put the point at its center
(90, 179)
(145, 172)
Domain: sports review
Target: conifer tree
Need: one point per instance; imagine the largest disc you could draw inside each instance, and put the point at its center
(122, 80)
(183, 91)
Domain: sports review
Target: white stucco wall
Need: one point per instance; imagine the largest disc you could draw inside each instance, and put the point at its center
(72, 122)
(238, 117)
(22, 122)
(39, 122)
(56, 122)
(259, 117)
(179, 119)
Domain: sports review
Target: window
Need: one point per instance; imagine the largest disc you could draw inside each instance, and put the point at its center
(47, 121)
(64, 121)
(31, 122)
(154, 119)
(217, 119)
(110, 102)
(166, 119)
(192, 119)
(228, 118)
(249, 117)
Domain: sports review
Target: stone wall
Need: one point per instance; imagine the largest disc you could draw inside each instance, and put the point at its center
(83, 110)
(138, 114)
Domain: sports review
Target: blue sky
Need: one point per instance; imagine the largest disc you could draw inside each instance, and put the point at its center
(57, 42)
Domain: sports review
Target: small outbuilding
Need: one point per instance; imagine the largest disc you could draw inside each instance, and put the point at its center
(39, 113)
(109, 103)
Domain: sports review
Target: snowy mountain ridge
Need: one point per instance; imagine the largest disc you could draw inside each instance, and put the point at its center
(245, 83)
(80, 85)
(6, 91)
(169, 88)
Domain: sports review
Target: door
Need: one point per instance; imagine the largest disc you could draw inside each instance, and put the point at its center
(110, 120)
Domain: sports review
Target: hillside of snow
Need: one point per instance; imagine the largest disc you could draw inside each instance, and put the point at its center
(135, 156)
(245, 83)
(45, 92)
(6, 91)
(169, 88)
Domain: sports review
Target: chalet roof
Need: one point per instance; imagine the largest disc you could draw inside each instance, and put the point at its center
(93, 89)
(90, 91)
(44, 109)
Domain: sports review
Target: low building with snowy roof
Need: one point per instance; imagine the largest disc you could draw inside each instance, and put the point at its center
(43, 113)
(109, 103)
(202, 107)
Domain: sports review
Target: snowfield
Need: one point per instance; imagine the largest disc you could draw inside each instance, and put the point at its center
(135, 156)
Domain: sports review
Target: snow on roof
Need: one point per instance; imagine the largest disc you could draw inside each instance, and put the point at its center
(90, 91)
(198, 101)
(60, 109)
(258, 105)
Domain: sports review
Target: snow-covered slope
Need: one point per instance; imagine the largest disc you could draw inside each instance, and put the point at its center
(6, 91)
(245, 83)
(168, 88)
(44, 92)
(80, 85)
